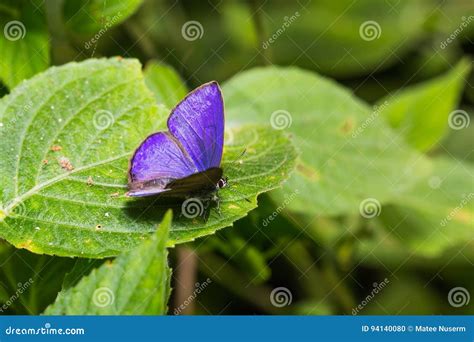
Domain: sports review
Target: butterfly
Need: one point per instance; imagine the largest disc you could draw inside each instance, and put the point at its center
(185, 160)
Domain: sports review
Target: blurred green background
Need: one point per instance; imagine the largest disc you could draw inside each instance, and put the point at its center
(327, 264)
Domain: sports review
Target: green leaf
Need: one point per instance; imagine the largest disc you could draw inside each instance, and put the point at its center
(435, 215)
(31, 281)
(421, 112)
(98, 112)
(370, 34)
(91, 16)
(165, 83)
(135, 283)
(348, 154)
(24, 42)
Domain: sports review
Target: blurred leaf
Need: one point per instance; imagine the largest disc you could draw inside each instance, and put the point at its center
(95, 16)
(403, 296)
(347, 155)
(24, 42)
(30, 281)
(345, 38)
(459, 143)
(437, 214)
(135, 283)
(165, 83)
(420, 112)
(102, 111)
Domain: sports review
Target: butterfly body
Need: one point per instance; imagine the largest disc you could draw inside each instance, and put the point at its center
(184, 161)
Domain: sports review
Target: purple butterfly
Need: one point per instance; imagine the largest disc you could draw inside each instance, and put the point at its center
(184, 161)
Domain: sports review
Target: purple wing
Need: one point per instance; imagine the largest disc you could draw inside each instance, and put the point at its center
(198, 123)
(157, 161)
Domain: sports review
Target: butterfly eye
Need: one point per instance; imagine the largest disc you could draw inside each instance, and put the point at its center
(221, 183)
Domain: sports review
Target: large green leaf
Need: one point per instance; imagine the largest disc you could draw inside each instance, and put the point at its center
(348, 154)
(435, 215)
(24, 42)
(71, 201)
(165, 84)
(94, 16)
(135, 283)
(421, 112)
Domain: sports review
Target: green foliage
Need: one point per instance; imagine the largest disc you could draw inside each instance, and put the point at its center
(135, 283)
(71, 201)
(348, 154)
(421, 112)
(436, 214)
(165, 83)
(91, 16)
(24, 42)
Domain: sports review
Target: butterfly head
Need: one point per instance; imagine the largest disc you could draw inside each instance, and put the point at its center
(222, 183)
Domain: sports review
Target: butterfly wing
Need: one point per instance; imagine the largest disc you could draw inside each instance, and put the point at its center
(159, 160)
(198, 123)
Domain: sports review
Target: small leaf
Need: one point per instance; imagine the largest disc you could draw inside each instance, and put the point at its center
(348, 154)
(421, 112)
(24, 41)
(135, 283)
(66, 139)
(165, 84)
(90, 16)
